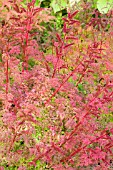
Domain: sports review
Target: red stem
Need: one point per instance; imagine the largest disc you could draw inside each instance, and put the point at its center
(81, 148)
(79, 123)
(57, 90)
(7, 78)
(27, 39)
(13, 140)
(55, 67)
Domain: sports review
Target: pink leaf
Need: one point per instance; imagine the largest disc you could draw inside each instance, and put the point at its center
(22, 168)
(73, 22)
(71, 38)
(59, 38)
(70, 16)
(58, 167)
(66, 20)
(15, 50)
(68, 45)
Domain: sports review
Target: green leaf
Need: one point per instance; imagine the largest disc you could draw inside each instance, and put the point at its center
(94, 4)
(58, 5)
(104, 5)
(31, 62)
(24, 4)
(72, 81)
(37, 2)
(80, 87)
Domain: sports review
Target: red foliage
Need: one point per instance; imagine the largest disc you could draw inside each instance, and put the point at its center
(60, 110)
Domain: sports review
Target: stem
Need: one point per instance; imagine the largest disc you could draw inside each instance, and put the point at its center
(13, 140)
(55, 67)
(83, 147)
(82, 75)
(7, 79)
(57, 90)
(80, 122)
(27, 39)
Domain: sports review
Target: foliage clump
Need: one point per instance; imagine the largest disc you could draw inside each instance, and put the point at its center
(56, 107)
